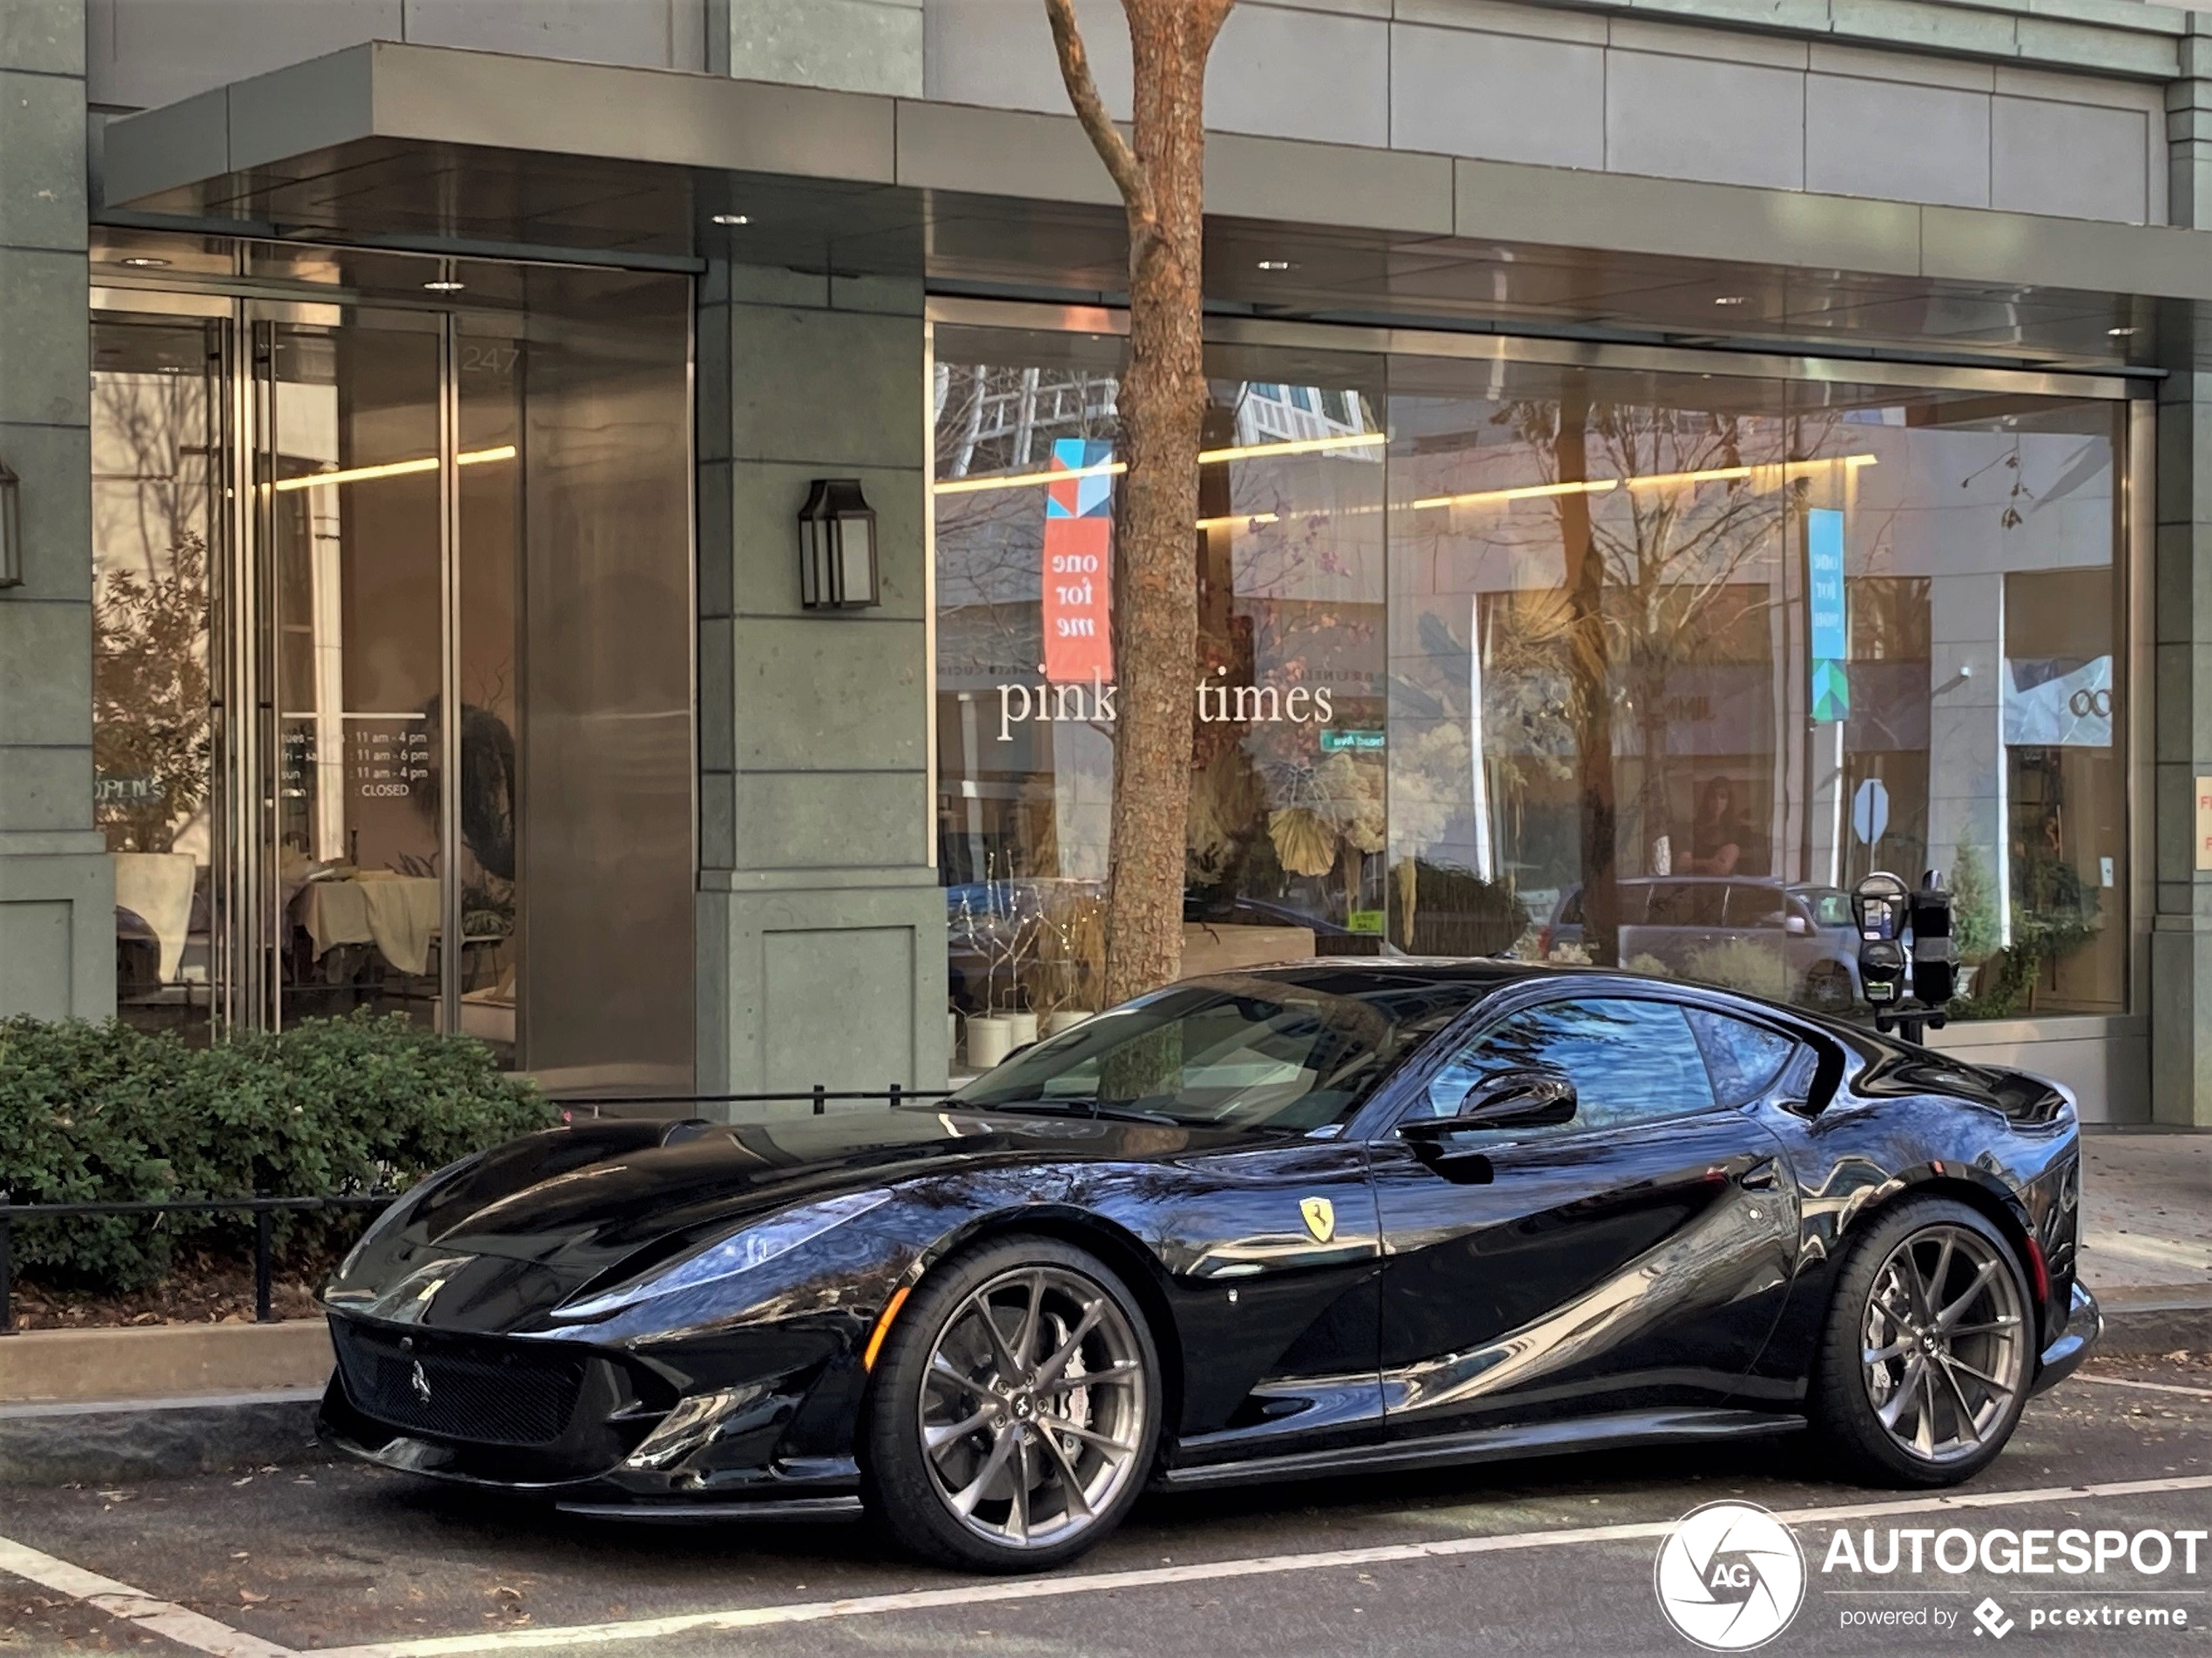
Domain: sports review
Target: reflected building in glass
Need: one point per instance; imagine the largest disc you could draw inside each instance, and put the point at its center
(1655, 472)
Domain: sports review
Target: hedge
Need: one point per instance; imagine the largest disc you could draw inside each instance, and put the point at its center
(102, 1112)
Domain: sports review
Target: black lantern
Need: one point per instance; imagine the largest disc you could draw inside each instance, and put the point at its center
(837, 568)
(10, 528)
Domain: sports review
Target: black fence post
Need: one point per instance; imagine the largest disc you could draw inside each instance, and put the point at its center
(264, 1225)
(6, 1274)
(894, 1097)
(821, 1100)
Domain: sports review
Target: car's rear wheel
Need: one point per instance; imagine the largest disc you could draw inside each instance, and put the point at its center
(1828, 989)
(1925, 1361)
(1016, 1409)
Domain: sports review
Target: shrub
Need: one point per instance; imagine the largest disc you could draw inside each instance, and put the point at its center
(1744, 965)
(104, 1112)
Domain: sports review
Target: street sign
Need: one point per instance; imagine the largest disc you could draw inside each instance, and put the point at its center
(1870, 810)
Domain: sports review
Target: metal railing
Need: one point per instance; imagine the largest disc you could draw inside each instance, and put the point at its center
(264, 1210)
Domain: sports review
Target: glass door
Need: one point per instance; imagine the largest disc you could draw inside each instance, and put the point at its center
(351, 501)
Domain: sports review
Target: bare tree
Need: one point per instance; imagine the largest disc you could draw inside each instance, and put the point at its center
(1160, 173)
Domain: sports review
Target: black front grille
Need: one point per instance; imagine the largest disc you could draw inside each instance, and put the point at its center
(449, 1387)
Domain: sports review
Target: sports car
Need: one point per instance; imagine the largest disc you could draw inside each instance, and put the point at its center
(1343, 1216)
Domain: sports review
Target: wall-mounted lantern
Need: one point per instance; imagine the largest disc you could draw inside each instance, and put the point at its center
(10, 528)
(836, 564)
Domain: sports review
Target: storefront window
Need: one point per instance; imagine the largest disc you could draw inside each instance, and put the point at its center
(1566, 663)
(153, 527)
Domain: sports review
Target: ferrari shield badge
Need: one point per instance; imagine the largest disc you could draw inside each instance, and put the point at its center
(1320, 1217)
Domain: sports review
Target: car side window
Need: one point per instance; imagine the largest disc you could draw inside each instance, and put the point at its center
(1631, 1061)
(1744, 1058)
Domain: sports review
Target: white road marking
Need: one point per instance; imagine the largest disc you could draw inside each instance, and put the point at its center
(200, 1634)
(135, 1606)
(592, 1634)
(2148, 1387)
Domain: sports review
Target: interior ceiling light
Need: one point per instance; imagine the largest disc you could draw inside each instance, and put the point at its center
(1206, 457)
(1274, 264)
(1769, 477)
(393, 468)
(145, 262)
(444, 284)
(2116, 334)
(732, 219)
(1730, 298)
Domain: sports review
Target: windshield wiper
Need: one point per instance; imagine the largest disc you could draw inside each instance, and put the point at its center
(1076, 1109)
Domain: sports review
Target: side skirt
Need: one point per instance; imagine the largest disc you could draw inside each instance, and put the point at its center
(1609, 1433)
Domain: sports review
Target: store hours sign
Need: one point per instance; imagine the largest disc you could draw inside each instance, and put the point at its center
(1078, 563)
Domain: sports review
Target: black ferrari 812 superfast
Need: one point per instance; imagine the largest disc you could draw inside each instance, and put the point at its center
(1340, 1216)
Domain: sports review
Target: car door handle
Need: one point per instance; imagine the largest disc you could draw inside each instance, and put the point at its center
(1760, 1176)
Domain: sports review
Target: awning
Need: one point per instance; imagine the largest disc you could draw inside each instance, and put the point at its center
(435, 147)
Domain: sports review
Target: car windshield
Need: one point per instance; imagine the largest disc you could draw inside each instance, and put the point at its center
(1245, 1053)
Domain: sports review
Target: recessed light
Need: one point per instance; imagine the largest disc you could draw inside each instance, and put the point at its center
(1729, 299)
(732, 219)
(2120, 333)
(444, 284)
(1274, 264)
(145, 262)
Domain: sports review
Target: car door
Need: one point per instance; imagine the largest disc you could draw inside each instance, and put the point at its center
(1634, 1257)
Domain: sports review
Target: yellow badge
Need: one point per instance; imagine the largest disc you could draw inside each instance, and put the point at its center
(1320, 1217)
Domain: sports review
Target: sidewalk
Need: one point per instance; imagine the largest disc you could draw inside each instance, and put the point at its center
(2146, 1211)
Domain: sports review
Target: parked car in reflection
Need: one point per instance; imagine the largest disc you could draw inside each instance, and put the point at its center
(1686, 924)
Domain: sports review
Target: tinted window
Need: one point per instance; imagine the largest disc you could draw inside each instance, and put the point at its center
(1630, 1061)
(1687, 903)
(1744, 1058)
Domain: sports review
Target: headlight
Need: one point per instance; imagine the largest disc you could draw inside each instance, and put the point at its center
(739, 1253)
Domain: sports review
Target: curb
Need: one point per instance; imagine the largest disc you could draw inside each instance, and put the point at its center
(113, 1442)
(2153, 1327)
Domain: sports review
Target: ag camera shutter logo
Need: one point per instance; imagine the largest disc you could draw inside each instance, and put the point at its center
(1730, 1576)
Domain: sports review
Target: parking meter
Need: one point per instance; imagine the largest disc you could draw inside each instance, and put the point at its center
(1935, 959)
(1881, 907)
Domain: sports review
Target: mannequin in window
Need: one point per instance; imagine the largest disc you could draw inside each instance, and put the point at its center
(1722, 841)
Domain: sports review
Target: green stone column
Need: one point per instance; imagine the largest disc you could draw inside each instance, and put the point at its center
(56, 886)
(821, 925)
(2180, 940)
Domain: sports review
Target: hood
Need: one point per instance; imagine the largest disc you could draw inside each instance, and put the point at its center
(581, 1199)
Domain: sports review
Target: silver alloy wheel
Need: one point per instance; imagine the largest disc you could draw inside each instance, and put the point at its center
(1033, 1407)
(1944, 1343)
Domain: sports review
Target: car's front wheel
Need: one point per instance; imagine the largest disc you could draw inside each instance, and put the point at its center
(1928, 1351)
(1015, 1407)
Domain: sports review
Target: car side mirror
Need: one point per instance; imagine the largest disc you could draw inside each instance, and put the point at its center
(1526, 1098)
(1798, 927)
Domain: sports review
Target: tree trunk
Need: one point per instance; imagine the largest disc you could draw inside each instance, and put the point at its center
(1589, 668)
(1163, 402)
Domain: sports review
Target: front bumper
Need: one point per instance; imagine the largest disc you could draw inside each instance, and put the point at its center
(724, 1422)
(2085, 1326)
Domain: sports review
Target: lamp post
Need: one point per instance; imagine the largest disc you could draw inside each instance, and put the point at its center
(837, 560)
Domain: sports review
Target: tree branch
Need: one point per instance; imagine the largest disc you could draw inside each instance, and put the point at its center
(1105, 137)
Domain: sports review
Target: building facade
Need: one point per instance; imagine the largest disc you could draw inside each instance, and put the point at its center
(1664, 461)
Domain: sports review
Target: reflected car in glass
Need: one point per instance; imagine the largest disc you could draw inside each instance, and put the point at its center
(1342, 1216)
(1793, 941)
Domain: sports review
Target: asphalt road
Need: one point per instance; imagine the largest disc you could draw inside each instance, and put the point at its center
(1555, 1556)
